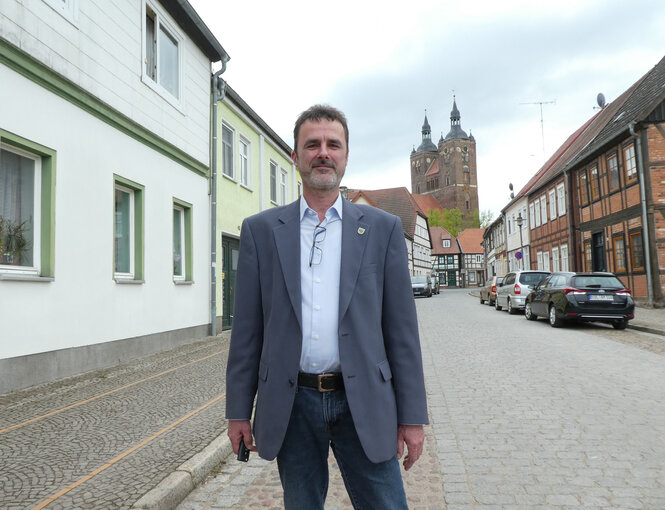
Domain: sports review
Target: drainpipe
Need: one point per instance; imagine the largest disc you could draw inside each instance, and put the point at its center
(218, 91)
(643, 200)
(567, 198)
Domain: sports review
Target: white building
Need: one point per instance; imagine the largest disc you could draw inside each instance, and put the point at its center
(105, 162)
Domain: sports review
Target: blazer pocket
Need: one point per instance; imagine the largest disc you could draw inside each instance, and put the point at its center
(384, 368)
(263, 371)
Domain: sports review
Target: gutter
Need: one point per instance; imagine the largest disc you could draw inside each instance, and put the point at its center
(218, 90)
(643, 200)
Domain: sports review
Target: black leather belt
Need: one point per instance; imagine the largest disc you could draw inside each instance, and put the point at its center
(322, 382)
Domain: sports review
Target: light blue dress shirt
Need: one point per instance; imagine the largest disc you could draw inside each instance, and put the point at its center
(319, 286)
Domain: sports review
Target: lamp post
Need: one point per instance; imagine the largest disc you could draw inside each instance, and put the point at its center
(520, 221)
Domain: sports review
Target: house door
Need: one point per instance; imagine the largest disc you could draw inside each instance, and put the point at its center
(230, 250)
(598, 252)
(452, 278)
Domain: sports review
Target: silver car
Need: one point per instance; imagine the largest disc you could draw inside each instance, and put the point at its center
(515, 288)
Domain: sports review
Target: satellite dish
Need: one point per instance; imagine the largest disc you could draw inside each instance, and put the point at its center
(601, 100)
(510, 186)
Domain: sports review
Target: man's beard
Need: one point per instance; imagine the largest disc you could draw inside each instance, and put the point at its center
(326, 181)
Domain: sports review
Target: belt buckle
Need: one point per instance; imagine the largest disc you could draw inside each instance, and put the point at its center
(320, 378)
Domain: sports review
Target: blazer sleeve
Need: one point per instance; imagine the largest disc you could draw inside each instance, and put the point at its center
(400, 333)
(247, 334)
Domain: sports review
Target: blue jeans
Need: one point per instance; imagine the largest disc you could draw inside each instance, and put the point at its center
(319, 421)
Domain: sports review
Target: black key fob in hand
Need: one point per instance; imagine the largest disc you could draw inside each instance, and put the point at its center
(243, 452)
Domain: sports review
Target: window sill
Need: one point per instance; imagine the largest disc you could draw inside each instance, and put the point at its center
(26, 278)
(127, 281)
(230, 178)
(247, 187)
(183, 282)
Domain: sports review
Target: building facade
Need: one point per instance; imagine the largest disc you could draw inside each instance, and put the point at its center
(104, 167)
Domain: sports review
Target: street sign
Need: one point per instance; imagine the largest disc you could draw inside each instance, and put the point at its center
(518, 255)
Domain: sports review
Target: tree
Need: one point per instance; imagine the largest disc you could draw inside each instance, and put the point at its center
(450, 219)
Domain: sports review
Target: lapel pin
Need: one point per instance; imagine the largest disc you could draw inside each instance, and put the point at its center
(361, 230)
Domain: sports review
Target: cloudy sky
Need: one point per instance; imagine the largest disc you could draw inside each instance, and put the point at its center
(384, 66)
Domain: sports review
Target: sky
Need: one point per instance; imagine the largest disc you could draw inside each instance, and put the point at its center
(386, 64)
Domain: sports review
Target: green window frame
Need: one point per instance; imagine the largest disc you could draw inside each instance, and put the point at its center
(183, 246)
(45, 259)
(135, 237)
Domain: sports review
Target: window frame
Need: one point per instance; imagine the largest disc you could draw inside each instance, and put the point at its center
(186, 241)
(552, 198)
(532, 216)
(613, 170)
(561, 198)
(564, 257)
(161, 23)
(582, 187)
(44, 257)
(137, 238)
(630, 171)
(543, 209)
(594, 183)
(537, 210)
(588, 256)
(619, 255)
(633, 260)
(283, 187)
(273, 181)
(244, 161)
(555, 259)
(228, 149)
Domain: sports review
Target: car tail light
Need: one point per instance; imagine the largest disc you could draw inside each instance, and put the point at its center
(572, 290)
(494, 288)
(623, 291)
(517, 289)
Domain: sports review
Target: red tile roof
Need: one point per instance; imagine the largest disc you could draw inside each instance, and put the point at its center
(437, 235)
(425, 202)
(470, 240)
(397, 201)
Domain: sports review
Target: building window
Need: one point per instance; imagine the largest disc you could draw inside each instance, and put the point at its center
(588, 260)
(446, 243)
(539, 260)
(161, 53)
(619, 254)
(543, 209)
(20, 188)
(227, 151)
(243, 161)
(636, 251)
(182, 240)
(282, 187)
(27, 207)
(582, 187)
(532, 216)
(561, 198)
(128, 230)
(273, 182)
(594, 183)
(631, 164)
(564, 257)
(552, 204)
(613, 171)
(536, 208)
(555, 259)
(546, 261)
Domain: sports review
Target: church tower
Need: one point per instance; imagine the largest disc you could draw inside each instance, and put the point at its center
(450, 173)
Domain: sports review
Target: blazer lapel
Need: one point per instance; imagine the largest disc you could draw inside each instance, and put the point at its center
(354, 239)
(287, 240)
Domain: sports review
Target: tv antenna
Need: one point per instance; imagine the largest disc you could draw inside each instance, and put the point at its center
(542, 124)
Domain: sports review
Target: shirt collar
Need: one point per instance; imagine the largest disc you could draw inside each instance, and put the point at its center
(336, 208)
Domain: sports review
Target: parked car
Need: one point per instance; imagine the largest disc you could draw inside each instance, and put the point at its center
(514, 289)
(434, 283)
(488, 292)
(564, 297)
(421, 286)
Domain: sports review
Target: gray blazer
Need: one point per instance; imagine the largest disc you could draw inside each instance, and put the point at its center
(379, 346)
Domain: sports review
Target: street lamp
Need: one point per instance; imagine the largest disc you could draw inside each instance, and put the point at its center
(520, 221)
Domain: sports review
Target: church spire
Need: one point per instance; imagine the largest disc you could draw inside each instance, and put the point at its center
(426, 144)
(456, 130)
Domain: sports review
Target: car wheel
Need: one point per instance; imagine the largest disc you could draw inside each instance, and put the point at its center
(528, 313)
(620, 324)
(555, 322)
(510, 308)
(497, 306)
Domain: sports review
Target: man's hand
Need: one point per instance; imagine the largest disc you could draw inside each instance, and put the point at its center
(241, 429)
(414, 437)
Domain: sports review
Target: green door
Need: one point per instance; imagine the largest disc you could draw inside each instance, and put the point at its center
(452, 278)
(230, 250)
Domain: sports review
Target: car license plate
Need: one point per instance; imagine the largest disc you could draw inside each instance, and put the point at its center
(594, 297)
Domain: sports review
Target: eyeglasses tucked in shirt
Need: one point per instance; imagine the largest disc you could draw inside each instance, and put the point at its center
(316, 253)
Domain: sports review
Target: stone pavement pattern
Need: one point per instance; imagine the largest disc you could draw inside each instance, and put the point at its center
(523, 417)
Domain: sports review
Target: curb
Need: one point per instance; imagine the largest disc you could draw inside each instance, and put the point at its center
(171, 491)
(646, 329)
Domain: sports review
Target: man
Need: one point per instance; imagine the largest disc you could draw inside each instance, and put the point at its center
(325, 335)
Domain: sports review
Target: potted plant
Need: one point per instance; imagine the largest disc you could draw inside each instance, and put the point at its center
(13, 241)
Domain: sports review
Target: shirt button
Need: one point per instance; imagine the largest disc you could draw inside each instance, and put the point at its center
(317, 280)
(315, 337)
(317, 307)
